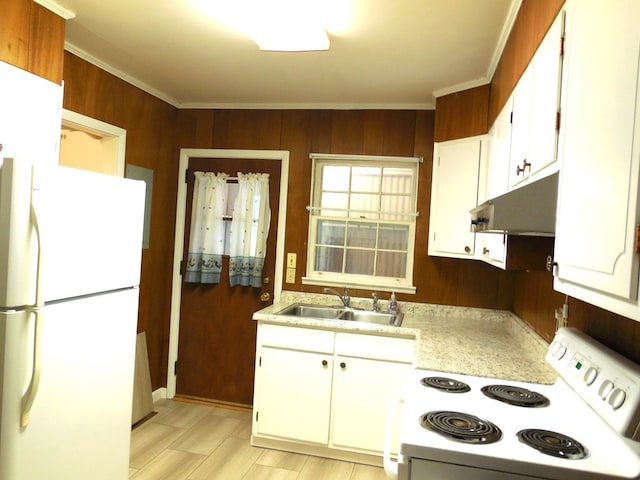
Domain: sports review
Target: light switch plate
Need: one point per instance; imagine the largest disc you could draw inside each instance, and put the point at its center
(291, 260)
(291, 275)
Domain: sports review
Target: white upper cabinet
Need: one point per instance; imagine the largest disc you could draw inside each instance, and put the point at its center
(535, 111)
(30, 108)
(454, 191)
(495, 173)
(600, 155)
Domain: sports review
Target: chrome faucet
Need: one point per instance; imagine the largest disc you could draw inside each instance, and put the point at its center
(345, 299)
(375, 302)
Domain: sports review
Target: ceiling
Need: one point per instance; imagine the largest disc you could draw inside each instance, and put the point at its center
(394, 54)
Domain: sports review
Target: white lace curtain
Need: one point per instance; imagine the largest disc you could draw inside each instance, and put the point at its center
(248, 235)
(249, 230)
(206, 241)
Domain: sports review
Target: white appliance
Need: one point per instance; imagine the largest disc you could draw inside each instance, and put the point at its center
(70, 253)
(585, 426)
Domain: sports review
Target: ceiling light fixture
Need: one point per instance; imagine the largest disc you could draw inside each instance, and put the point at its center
(277, 25)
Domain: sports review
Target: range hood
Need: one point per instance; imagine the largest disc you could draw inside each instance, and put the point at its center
(528, 210)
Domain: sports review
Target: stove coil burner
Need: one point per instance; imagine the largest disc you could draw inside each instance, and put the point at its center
(445, 384)
(515, 395)
(461, 427)
(552, 443)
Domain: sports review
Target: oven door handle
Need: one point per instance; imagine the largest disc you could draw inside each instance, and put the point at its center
(390, 465)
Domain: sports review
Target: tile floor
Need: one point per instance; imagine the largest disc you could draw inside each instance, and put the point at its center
(188, 441)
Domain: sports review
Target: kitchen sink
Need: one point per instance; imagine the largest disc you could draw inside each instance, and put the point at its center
(342, 313)
(313, 311)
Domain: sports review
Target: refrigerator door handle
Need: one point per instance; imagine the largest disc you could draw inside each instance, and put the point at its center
(35, 221)
(32, 390)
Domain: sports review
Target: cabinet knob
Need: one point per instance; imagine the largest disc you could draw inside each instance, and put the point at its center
(343, 365)
(485, 250)
(324, 363)
(467, 249)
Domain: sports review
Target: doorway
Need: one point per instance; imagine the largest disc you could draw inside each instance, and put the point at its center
(91, 144)
(217, 311)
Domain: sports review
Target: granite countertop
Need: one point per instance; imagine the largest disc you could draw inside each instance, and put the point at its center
(471, 341)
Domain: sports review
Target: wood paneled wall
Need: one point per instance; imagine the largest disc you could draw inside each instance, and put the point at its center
(150, 124)
(462, 114)
(32, 38)
(367, 132)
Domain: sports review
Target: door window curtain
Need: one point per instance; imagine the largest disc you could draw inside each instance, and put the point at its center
(249, 230)
(206, 240)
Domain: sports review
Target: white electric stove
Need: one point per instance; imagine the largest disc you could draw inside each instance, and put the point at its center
(459, 427)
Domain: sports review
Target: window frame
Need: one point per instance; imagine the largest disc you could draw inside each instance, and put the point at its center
(390, 284)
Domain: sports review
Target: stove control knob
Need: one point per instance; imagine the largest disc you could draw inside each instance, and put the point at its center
(558, 350)
(617, 398)
(605, 389)
(590, 375)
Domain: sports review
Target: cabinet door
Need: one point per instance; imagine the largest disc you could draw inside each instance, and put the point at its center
(536, 100)
(363, 393)
(545, 99)
(454, 192)
(600, 150)
(497, 164)
(30, 108)
(295, 393)
(493, 248)
(520, 126)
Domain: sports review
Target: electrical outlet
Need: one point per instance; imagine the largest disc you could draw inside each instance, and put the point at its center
(291, 260)
(562, 316)
(291, 275)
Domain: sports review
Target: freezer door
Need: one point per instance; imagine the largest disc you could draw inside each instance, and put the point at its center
(80, 421)
(90, 232)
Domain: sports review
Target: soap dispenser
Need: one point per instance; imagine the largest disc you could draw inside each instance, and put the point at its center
(393, 304)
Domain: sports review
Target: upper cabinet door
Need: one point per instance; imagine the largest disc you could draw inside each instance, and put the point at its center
(536, 101)
(454, 192)
(495, 172)
(600, 154)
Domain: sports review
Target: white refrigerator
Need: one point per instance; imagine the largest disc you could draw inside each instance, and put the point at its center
(70, 254)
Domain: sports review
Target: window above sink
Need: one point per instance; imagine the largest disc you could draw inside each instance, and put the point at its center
(362, 221)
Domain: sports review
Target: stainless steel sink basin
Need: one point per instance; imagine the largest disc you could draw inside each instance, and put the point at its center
(313, 311)
(341, 313)
(378, 318)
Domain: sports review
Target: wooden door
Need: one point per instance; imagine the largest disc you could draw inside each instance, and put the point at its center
(216, 346)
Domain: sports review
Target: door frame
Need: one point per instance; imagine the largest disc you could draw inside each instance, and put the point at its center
(78, 121)
(178, 252)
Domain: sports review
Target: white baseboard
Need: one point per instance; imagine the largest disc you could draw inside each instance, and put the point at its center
(159, 394)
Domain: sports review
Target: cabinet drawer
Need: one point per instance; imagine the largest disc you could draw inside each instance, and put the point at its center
(296, 338)
(375, 347)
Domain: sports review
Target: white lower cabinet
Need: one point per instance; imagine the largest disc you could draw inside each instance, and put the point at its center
(363, 392)
(295, 392)
(338, 400)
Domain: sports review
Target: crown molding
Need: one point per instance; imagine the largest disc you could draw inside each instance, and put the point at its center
(57, 9)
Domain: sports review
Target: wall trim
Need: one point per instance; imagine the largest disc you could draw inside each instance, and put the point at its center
(102, 129)
(504, 36)
(57, 9)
